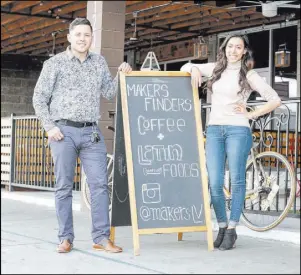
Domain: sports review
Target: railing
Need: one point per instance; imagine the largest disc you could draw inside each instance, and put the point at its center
(25, 155)
(279, 132)
(6, 155)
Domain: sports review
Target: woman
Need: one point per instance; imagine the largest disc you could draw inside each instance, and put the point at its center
(228, 135)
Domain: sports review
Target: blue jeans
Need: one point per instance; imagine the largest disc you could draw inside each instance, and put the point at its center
(232, 143)
(77, 143)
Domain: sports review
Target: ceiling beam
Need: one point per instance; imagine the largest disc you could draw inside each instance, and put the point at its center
(77, 5)
(27, 29)
(21, 23)
(42, 32)
(149, 31)
(208, 15)
(42, 45)
(129, 3)
(199, 28)
(148, 28)
(151, 27)
(35, 19)
(217, 29)
(25, 44)
(6, 18)
(49, 5)
(244, 24)
(208, 18)
(183, 27)
(161, 17)
(163, 11)
(4, 3)
(49, 16)
(46, 51)
(21, 5)
(146, 5)
(232, 21)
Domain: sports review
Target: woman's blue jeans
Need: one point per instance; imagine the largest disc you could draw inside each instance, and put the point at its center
(232, 143)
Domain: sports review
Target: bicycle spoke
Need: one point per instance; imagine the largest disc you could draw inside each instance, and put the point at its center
(268, 205)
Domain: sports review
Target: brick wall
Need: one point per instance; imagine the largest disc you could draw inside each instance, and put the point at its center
(18, 78)
(16, 92)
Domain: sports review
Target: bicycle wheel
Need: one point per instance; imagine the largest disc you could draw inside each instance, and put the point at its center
(86, 191)
(268, 202)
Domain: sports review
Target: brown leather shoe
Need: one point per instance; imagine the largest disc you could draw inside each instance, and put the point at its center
(64, 247)
(110, 247)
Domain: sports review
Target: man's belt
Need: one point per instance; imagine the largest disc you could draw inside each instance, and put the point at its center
(75, 123)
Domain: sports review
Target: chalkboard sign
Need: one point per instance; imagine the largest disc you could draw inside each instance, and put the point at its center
(120, 214)
(165, 154)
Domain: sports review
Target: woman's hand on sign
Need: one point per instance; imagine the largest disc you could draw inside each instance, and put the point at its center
(125, 68)
(196, 77)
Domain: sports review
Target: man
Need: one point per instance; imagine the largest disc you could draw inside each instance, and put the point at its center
(66, 100)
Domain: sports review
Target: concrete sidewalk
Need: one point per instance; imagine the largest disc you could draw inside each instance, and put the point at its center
(288, 230)
(29, 239)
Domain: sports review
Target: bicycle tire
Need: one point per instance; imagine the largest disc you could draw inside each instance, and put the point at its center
(86, 191)
(291, 197)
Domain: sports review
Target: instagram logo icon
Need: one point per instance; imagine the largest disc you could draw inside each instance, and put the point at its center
(151, 193)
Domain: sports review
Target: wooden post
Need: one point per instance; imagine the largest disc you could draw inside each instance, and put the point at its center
(112, 234)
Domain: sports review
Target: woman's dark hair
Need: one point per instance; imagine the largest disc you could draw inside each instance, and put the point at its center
(247, 63)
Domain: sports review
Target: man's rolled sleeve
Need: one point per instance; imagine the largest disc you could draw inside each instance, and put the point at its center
(42, 94)
(109, 86)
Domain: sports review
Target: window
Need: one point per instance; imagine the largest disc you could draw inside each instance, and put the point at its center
(176, 66)
(259, 42)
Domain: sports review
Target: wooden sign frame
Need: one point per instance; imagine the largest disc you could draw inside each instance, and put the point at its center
(129, 159)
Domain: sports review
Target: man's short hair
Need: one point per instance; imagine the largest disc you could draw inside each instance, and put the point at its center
(79, 21)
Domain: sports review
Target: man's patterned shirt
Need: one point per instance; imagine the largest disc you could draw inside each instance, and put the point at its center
(70, 89)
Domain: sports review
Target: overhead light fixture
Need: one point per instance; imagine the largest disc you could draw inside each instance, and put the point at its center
(200, 48)
(282, 57)
(134, 36)
(289, 17)
(53, 44)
